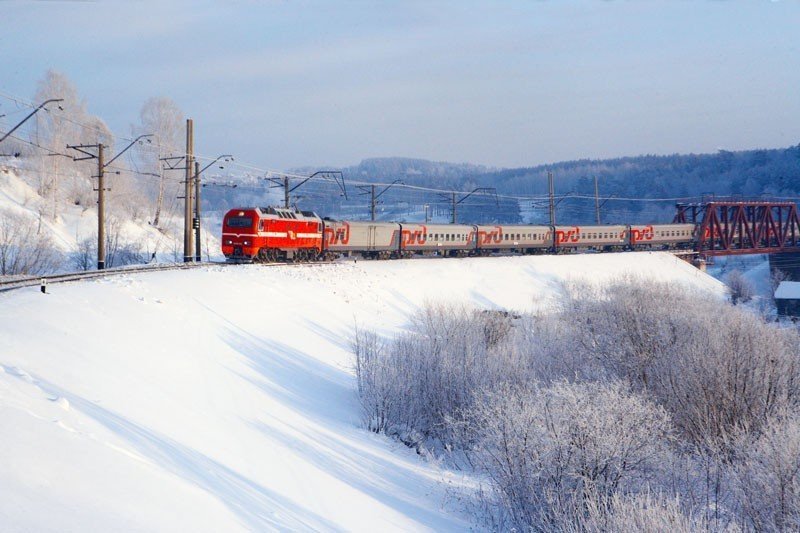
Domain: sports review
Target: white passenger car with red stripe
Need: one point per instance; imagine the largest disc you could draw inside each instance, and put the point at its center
(591, 237)
(662, 236)
(518, 238)
(370, 239)
(447, 239)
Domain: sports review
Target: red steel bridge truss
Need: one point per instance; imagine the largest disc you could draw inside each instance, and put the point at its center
(742, 227)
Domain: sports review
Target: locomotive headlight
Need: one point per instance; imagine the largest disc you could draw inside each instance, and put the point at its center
(228, 241)
(246, 243)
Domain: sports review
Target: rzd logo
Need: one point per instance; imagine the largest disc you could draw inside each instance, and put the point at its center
(339, 235)
(415, 237)
(570, 235)
(488, 237)
(644, 234)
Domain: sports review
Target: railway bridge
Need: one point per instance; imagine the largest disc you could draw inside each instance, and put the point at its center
(737, 227)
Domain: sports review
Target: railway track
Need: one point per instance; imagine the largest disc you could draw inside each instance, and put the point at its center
(34, 281)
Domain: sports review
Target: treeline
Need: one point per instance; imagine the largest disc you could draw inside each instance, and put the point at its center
(140, 194)
(751, 173)
(616, 412)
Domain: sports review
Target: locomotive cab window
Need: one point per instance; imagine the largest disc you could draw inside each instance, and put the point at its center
(240, 222)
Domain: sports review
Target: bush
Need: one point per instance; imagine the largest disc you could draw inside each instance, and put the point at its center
(716, 368)
(421, 378)
(635, 514)
(769, 476)
(546, 451)
(741, 289)
(634, 388)
(22, 249)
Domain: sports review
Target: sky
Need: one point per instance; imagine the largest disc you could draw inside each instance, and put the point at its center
(286, 84)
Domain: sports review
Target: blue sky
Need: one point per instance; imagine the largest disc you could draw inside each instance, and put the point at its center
(286, 84)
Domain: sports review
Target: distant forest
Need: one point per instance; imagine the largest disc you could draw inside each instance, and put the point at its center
(639, 189)
(751, 173)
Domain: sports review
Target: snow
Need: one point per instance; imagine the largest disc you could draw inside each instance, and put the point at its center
(222, 398)
(788, 290)
(76, 223)
(755, 270)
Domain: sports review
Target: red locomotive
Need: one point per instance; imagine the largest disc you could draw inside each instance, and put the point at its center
(270, 234)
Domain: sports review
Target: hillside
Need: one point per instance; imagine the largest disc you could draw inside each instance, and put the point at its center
(222, 399)
(70, 235)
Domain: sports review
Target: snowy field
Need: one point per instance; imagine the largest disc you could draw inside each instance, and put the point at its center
(222, 399)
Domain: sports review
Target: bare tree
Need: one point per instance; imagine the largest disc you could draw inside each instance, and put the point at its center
(86, 254)
(637, 513)
(549, 452)
(776, 277)
(59, 127)
(741, 289)
(22, 249)
(769, 475)
(161, 117)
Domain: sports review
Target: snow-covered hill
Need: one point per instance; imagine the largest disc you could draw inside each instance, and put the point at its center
(222, 399)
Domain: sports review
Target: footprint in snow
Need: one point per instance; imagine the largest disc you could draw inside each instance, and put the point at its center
(18, 372)
(60, 401)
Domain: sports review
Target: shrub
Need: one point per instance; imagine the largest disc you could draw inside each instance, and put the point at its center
(22, 249)
(546, 451)
(769, 476)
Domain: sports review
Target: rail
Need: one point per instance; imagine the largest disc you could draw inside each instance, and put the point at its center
(33, 281)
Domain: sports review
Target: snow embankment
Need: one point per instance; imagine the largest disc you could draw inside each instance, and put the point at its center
(223, 399)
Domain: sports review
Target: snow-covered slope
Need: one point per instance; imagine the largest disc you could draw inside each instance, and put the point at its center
(76, 223)
(222, 399)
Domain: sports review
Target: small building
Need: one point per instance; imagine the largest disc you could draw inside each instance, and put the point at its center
(787, 298)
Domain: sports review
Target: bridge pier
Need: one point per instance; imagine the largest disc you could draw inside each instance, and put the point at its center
(788, 263)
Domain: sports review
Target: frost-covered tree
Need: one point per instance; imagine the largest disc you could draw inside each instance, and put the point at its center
(549, 452)
(638, 513)
(23, 250)
(769, 475)
(716, 368)
(740, 287)
(69, 123)
(162, 118)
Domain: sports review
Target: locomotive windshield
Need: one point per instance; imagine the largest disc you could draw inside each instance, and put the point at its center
(240, 222)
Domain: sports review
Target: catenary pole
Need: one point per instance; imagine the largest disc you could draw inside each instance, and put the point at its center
(187, 206)
(596, 201)
(101, 209)
(196, 222)
(552, 195)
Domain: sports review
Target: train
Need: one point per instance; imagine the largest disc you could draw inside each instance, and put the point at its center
(273, 234)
